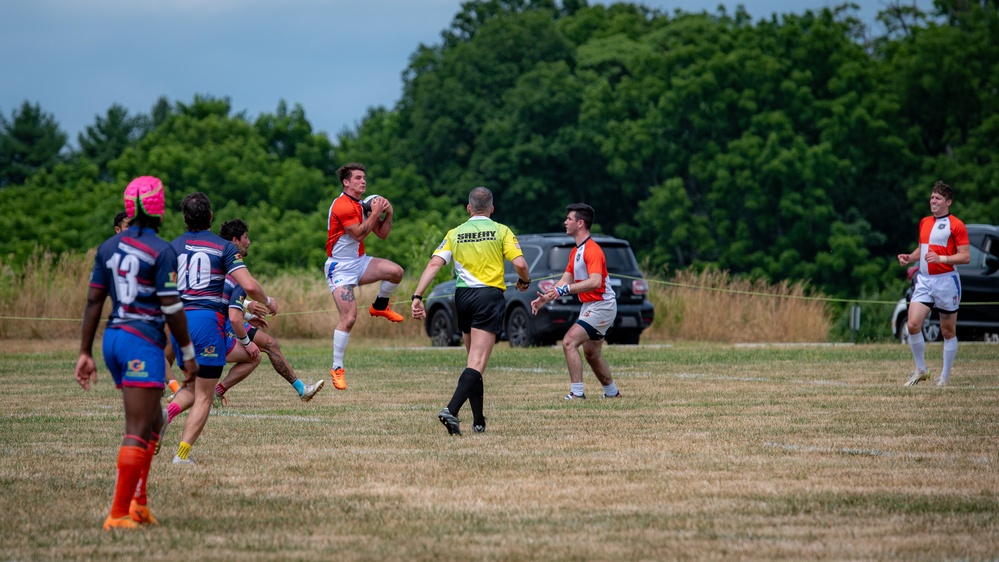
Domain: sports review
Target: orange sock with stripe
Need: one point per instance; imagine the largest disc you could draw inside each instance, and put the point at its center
(140, 488)
(131, 459)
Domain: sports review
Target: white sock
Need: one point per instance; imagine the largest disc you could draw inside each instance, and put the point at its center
(576, 388)
(610, 390)
(950, 352)
(386, 289)
(918, 346)
(339, 347)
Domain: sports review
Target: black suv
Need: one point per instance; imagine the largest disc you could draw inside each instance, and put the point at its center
(547, 256)
(978, 316)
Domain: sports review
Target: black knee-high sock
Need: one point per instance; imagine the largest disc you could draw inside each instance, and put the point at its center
(475, 400)
(466, 384)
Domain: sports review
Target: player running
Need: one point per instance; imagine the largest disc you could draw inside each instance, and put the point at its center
(246, 327)
(203, 261)
(943, 243)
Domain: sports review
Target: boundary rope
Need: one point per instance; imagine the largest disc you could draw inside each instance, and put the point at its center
(650, 281)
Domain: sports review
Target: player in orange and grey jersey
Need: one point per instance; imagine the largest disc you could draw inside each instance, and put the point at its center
(347, 266)
(585, 275)
(943, 243)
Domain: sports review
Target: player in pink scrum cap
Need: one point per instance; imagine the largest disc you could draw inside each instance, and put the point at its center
(138, 270)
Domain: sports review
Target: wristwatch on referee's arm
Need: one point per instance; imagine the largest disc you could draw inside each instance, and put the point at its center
(523, 285)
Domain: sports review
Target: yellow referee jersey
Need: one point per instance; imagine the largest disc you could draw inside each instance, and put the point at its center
(478, 248)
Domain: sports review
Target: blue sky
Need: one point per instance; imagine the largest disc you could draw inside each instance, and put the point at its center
(336, 58)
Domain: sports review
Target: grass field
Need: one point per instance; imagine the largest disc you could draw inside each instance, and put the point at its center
(715, 452)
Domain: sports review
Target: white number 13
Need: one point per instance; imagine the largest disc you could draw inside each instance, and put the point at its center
(127, 286)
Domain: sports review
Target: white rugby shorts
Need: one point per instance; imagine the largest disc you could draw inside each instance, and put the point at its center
(599, 315)
(340, 273)
(942, 292)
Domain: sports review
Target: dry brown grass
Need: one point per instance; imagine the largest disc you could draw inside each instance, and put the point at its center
(48, 296)
(310, 312)
(715, 453)
(713, 306)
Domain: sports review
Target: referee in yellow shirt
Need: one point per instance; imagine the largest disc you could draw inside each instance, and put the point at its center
(477, 248)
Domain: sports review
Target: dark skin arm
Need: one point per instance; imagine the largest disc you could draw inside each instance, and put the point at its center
(86, 369)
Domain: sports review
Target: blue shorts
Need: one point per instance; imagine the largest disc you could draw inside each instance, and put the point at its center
(207, 335)
(133, 361)
(231, 336)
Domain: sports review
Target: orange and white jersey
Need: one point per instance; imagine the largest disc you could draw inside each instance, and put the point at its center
(942, 235)
(587, 258)
(340, 245)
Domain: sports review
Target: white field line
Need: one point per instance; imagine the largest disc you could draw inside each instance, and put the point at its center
(231, 414)
(873, 453)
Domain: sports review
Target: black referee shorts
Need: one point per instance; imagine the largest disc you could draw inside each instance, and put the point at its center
(481, 307)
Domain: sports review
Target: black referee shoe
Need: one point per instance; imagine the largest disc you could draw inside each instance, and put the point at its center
(449, 421)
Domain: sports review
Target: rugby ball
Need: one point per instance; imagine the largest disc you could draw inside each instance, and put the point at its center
(366, 204)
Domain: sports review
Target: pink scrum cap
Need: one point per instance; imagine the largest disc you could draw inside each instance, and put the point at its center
(148, 191)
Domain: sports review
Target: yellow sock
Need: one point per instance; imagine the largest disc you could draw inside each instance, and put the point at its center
(174, 386)
(183, 450)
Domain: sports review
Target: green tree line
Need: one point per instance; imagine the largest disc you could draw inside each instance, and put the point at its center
(799, 147)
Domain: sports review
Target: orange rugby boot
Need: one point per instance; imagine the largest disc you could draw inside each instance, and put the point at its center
(387, 313)
(339, 382)
(125, 522)
(141, 514)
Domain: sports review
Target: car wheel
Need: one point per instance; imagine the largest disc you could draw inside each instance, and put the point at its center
(519, 330)
(931, 330)
(441, 328)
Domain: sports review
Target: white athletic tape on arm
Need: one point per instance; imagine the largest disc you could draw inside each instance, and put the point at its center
(172, 308)
(187, 352)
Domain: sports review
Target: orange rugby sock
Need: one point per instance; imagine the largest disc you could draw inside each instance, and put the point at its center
(140, 489)
(130, 462)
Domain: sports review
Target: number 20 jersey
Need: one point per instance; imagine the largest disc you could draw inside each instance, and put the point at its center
(136, 269)
(203, 261)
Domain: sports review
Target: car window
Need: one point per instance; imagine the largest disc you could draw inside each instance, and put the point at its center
(558, 258)
(620, 259)
(531, 255)
(981, 248)
(977, 257)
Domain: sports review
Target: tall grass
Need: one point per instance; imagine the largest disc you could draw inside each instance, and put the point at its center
(713, 306)
(45, 299)
(48, 295)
